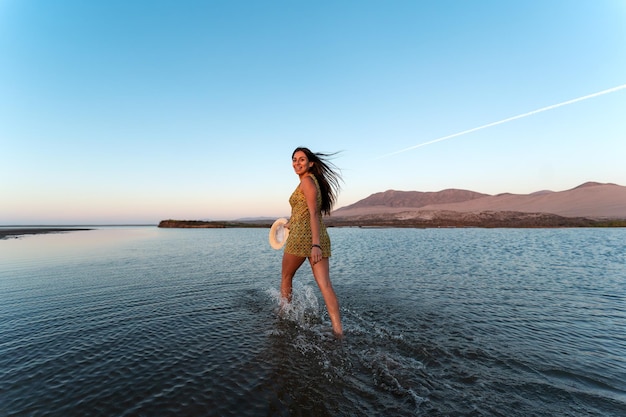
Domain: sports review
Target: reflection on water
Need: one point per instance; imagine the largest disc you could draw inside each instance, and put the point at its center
(147, 321)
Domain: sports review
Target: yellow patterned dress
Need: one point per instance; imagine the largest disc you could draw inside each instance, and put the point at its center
(300, 237)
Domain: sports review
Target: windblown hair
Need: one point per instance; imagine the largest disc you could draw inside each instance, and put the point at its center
(327, 174)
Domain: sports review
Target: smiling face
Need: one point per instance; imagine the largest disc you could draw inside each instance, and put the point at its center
(301, 163)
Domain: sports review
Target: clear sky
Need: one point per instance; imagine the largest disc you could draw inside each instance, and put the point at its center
(124, 111)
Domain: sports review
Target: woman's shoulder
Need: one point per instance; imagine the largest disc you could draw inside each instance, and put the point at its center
(311, 179)
(308, 182)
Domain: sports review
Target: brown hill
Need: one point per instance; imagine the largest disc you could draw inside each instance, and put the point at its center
(415, 199)
(591, 199)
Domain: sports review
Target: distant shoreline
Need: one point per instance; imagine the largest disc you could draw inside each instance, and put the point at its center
(22, 231)
(200, 224)
(487, 220)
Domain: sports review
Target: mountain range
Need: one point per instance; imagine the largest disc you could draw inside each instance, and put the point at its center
(591, 204)
(589, 200)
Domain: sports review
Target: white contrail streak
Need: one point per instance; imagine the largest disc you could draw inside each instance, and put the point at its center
(530, 113)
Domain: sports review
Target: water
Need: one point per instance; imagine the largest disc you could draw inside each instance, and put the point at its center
(141, 321)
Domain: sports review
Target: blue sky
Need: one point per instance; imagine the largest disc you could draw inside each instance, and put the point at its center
(137, 111)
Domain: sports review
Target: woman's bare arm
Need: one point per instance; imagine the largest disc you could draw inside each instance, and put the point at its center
(307, 185)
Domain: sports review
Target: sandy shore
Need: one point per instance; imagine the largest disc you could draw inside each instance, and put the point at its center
(16, 232)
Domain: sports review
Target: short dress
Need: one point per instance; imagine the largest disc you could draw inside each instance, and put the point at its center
(300, 236)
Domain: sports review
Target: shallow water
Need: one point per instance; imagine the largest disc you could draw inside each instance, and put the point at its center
(141, 321)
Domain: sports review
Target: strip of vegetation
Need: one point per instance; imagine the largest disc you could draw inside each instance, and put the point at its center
(481, 220)
(610, 223)
(199, 224)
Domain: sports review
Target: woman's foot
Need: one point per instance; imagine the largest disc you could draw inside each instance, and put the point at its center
(338, 334)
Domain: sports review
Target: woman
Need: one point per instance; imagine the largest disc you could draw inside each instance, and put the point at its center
(316, 194)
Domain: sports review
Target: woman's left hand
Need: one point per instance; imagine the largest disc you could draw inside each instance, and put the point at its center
(316, 254)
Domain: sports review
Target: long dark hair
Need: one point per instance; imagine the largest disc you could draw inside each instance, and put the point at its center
(327, 174)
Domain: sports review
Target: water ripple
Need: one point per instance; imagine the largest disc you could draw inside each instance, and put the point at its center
(438, 322)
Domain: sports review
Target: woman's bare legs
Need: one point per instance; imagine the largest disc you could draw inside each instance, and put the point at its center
(291, 263)
(321, 272)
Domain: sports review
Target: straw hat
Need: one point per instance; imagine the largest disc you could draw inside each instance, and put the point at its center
(278, 233)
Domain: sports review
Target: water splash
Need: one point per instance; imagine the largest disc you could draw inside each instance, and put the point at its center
(304, 308)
